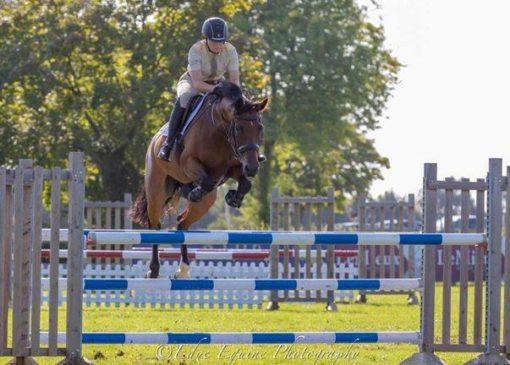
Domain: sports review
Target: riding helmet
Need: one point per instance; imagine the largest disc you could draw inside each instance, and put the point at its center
(215, 29)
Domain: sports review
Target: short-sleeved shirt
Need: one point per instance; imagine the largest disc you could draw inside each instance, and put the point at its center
(200, 58)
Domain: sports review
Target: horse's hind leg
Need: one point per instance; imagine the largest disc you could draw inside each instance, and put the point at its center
(155, 201)
(193, 212)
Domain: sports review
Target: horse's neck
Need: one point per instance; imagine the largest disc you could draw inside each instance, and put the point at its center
(210, 133)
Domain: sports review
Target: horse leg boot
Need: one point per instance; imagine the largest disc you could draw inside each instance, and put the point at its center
(234, 198)
(204, 186)
(153, 272)
(173, 127)
(183, 272)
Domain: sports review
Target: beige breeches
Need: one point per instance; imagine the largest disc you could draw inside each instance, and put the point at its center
(185, 90)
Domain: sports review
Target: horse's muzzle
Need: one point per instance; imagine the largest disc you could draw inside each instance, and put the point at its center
(251, 171)
(250, 168)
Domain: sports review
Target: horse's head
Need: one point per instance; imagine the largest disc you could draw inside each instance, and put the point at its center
(244, 130)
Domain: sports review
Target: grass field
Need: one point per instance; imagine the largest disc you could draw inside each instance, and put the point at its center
(382, 313)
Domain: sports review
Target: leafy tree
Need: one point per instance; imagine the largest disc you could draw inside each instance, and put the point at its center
(95, 76)
(330, 77)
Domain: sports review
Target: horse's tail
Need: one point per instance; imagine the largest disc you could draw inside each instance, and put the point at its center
(139, 212)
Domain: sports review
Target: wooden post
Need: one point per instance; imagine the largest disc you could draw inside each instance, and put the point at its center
(308, 250)
(412, 249)
(429, 261)
(362, 250)
(75, 260)
(479, 267)
(494, 230)
(318, 251)
(5, 258)
(56, 176)
(286, 248)
(22, 253)
(273, 301)
(36, 260)
(463, 281)
(492, 353)
(506, 302)
(447, 267)
(330, 254)
(426, 355)
(413, 298)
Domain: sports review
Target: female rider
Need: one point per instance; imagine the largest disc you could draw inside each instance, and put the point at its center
(209, 60)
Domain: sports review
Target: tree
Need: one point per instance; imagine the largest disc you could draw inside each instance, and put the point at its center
(330, 77)
(95, 76)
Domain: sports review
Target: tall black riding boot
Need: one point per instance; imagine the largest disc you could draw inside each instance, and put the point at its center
(173, 126)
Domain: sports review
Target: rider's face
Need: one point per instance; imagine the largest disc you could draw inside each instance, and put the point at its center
(215, 46)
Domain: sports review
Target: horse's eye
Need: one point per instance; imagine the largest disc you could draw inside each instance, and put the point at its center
(239, 128)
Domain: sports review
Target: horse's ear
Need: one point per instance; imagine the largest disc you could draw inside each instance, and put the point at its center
(262, 105)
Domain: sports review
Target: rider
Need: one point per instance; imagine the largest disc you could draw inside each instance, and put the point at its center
(208, 61)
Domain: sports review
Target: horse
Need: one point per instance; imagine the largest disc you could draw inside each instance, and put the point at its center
(221, 143)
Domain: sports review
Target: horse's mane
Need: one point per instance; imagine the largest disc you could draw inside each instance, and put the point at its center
(233, 92)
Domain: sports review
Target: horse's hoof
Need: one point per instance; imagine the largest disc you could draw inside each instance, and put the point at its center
(152, 274)
(183, 272)
(230, 199)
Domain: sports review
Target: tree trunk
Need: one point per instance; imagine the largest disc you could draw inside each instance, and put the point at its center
(118, 176)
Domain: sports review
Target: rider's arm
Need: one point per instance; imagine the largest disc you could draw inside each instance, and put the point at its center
(233, 66)
(196, 79)
(233, 76)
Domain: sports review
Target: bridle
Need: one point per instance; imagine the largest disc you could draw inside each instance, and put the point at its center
(231, 135)
(239, 150)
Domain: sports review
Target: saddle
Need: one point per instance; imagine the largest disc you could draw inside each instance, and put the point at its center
(196, 105)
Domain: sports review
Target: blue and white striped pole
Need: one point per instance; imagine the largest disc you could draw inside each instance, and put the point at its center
(243, 338)
(281, 238)
(248, 284)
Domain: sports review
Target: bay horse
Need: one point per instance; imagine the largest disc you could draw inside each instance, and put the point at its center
(222, 143)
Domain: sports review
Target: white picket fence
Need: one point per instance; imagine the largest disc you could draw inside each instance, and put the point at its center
(344, 269)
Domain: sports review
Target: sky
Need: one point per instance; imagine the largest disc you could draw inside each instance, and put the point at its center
(451, 104)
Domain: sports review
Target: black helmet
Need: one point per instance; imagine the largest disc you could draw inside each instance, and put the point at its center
(215, 29)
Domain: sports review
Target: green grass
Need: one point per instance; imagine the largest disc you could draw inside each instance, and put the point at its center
(382, 313)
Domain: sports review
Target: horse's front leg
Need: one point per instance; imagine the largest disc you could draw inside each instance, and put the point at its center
(234, 198)
(203, 183)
